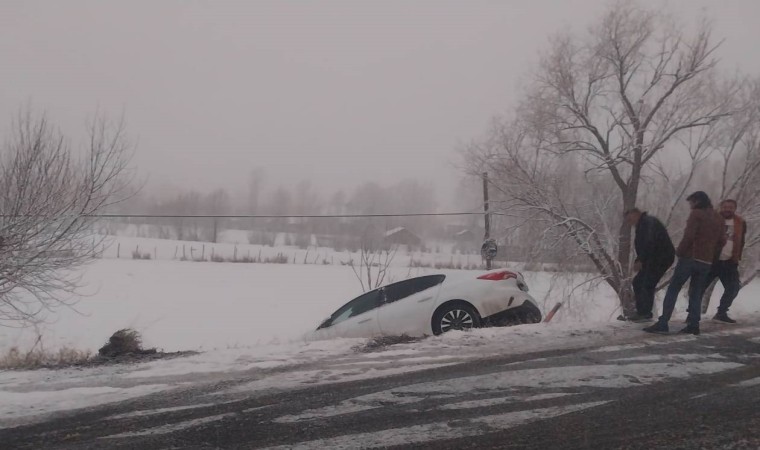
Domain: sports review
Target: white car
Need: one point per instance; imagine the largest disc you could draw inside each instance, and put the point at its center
(434, 304)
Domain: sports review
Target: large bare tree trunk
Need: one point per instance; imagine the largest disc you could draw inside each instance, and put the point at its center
(627, 301)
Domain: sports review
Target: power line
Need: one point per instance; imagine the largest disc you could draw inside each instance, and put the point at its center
(274, 216)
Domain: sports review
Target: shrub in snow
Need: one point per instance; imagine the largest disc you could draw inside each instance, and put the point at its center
(124, 342)
(136, 254)
(39, 357)
(279, 259)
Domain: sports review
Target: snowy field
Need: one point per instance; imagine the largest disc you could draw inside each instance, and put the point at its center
(183, 305)
(252, 317)
(234, 244)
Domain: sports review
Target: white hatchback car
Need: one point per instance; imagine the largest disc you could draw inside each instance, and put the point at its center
(435, 304)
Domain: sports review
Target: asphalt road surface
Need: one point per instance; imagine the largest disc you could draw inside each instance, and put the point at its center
(660, 392)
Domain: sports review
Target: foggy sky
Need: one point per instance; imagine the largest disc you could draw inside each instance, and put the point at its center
(339, 92)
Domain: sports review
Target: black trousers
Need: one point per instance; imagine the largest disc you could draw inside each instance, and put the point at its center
(645, 285)
(728, 274)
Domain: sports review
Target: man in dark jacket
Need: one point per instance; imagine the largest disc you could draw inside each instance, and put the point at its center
(654, 256)
(703, 238)
(726, 268)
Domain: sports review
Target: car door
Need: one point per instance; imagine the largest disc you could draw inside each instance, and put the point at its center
(357, 318)
(408, 305)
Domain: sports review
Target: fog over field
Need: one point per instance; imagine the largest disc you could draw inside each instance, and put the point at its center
(336, 93)
(362, 224)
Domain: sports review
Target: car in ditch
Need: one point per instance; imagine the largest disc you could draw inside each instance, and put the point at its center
(435, 304)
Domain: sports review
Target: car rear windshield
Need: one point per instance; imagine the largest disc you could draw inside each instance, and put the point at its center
(403, 289)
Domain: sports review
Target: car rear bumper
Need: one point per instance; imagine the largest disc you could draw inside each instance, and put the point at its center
(527, 312)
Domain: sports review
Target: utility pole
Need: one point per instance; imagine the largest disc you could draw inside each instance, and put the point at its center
(487, 215)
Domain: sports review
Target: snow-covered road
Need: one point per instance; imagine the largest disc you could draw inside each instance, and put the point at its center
(439, 391)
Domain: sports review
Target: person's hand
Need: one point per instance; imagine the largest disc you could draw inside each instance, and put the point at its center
(637, 266)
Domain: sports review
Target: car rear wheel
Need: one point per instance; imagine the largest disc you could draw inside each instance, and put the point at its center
(455, 316)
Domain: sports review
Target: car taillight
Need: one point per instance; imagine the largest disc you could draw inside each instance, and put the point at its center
(498, 276)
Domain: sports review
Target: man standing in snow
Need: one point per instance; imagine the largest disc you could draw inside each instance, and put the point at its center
(703, 238)
(726, 268)
(654, 256)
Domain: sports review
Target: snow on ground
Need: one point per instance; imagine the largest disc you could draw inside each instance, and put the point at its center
(599, 376)
(31, 388)
(418, 434)
(297, 365)
(751, 382)
(183, 305)
(170, 428)
(196, 306)
(35, 403)
(250, 319)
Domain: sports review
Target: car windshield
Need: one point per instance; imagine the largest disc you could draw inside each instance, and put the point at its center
(359, 305)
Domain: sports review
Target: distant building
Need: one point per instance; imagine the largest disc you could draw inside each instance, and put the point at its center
(402, 236)
(466, 241)
(465, 236)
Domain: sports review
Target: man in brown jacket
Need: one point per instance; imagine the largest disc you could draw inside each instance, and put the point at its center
(726, 268)
(703, 238)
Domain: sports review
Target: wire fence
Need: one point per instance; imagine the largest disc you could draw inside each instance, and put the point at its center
(285, 216)
(423, 239)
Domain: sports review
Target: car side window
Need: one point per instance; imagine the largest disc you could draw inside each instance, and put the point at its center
(403, 289)
(359, 305)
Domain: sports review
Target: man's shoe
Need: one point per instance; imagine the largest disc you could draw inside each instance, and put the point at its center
(638, 318)
(723, 317)
(657, 328)
(690, 330)
(635, 317)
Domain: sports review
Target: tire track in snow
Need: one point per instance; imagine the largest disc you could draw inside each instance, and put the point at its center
(418, 434)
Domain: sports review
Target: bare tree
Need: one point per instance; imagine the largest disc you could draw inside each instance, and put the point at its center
(255, 185)
(280, 203)
(602, 111)
(188, 203)
(739, 168)
(218, 202)
(48, 194)
(740, 163)
(374, 262)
